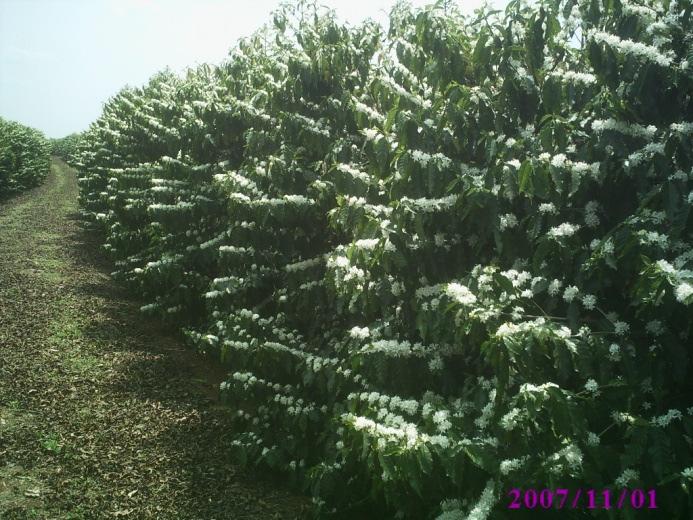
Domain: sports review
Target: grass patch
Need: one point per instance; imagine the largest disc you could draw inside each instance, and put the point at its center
(83, 363)
(66, 328)
(51, 443)
(68, 336)
(51, 269)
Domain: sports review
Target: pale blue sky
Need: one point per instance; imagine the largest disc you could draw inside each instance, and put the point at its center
(61, 59)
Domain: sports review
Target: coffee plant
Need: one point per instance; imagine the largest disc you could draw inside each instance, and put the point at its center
(440, 260)
(66, 147)
(24, 157)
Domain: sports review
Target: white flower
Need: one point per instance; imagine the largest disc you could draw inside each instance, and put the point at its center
(663, 420)
(508, 466)
(682, 128)
(367, 244)
(625, 46)
(655, 327)
(354, 172)
(591, 218)
(371, 134)
(622, 417)
(530, 388)
(365, 109)
(548, 207)
(507, 221)
(430, 205)
(575, 77)
(305, 264)
(570, 293)
(626, 477)
(435, 364)
(483, 507)
(687, 473)
(564, 230)
(514, 163)
(507, 329)
(509, 420)
(666, 267)
(647, 151)
(683, 292)
(558, 160)
(555, 287)
(297, 199)
(397, 288)
(440, 418)
(460, 293)
(635, 130)
(589, 301)
(621, 328)
(652, 237)
(592, 439)
(359, 332)
(591, 386)
(573, 455)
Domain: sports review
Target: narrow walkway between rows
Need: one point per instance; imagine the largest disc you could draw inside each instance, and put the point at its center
(103, 413)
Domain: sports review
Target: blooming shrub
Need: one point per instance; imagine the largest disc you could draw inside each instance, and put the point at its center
(440, 262)
(66, 147)
(24, 157)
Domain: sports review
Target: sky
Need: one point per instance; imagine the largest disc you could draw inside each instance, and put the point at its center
(60, 60)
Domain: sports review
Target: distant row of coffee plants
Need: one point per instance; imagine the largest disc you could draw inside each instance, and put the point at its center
(441, 261)
(66, 147)
(24, 157)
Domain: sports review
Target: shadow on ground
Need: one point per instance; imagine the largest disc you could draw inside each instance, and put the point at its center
(151, 366)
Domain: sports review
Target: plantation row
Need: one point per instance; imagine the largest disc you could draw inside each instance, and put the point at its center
(440, 262)
(67, 147)
(24, 157)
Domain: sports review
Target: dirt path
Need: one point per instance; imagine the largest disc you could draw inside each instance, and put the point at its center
(102, 413)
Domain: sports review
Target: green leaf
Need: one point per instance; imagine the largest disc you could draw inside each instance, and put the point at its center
(552, 94)
(481, 456)
(525, 178)
(425, 459)
(534, 43)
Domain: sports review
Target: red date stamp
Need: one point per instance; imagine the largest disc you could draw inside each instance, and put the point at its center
(560, 498)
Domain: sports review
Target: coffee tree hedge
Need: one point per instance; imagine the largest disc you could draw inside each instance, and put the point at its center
(66, 147)
(440, 261)
(24, 157)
